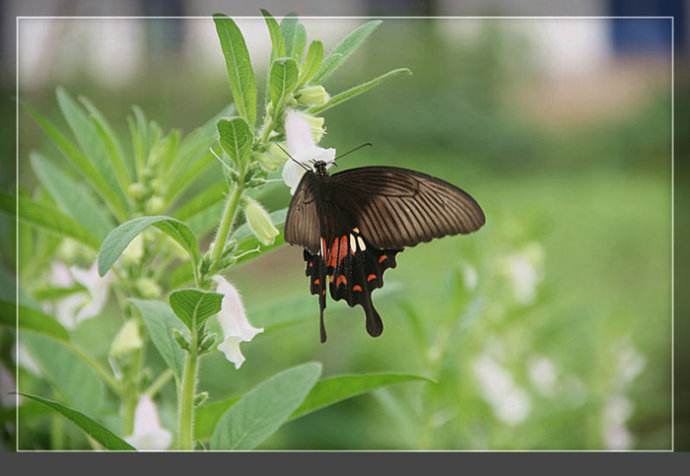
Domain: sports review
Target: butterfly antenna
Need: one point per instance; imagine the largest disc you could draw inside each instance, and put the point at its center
(293, 159)
(366, 144)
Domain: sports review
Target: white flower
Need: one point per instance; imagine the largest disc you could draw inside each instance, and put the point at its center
(542, 374)
(614, 432)
(127, 339)
(148, 432)
(510, 403)
(525, 271)
(97, 288)
(25, 360)
(302, 148)
(233, 320)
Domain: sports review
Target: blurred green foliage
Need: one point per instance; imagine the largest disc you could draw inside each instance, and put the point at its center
(595, 199)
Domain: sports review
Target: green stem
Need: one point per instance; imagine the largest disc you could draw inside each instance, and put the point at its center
(227, 221)
(185, 438)
(159, 383)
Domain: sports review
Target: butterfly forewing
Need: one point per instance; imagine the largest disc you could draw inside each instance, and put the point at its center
(399, 207)
(302, 224)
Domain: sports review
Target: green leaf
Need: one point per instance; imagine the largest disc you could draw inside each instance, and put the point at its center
(118, 239)
(344, 49)
(208, 197)
(90, 143)
(336, 389)
(194, 306)
(95, 430)
(160, 321)
(239, 67)
(277, 41)
(72, 197)
(282, 81)
(260, 412)
(67, 370)
(31, 319)
(311, 63)
(288, 29)
(83, 165)
(206, 416)
(357, 90)
(326, 392)
(47, 218)
(236, 139)
(114, 149)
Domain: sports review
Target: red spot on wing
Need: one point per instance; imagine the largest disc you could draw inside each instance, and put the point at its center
(341, 279)
(371, 277)
(357, 288)
(317, 281)
(383, 258)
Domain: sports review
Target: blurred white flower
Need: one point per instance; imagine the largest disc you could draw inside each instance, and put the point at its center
(614, 432)
(469, 276)
(7, 388)
(542, 373)
(525, 271)
(510, 403)
(77, 307)
(630, 363)
(148, 432)
(302, 148)
(233, 321)
(127, 339)
(25, 360)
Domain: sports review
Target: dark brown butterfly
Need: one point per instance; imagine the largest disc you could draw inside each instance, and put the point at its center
(352, 224)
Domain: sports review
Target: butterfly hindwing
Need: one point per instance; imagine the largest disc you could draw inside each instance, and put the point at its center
(353, 270)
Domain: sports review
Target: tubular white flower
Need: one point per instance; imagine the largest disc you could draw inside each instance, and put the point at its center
(148, 432)
(97, 288)
(302, 148)
(233, 321)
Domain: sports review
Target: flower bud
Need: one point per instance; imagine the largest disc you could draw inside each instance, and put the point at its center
(272, 159)
(180, 339)
(260, 222)
(200, 399)
(158, 186)
(137, 191)
(155, 205)
(127, 339)
(313, 96)
(207, 343)
(134, 251)
(148, 288)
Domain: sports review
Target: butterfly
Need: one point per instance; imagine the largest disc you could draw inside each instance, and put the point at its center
(352, 224)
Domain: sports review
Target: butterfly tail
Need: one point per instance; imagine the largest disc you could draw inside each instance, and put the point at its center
(374, 322)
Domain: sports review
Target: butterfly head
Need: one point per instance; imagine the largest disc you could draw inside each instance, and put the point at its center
(320, 167)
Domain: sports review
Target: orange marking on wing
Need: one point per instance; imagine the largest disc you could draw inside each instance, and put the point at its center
(383, 258)
(341, 279)
(343, 248)
(357, 288)
(371, 277)
(317, 282)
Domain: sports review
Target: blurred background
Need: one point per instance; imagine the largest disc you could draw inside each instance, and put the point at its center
(550, 328)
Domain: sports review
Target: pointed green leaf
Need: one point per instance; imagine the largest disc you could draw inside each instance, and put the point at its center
(239, 67)
(264, 409)
(344, 49)
(236, 139)
(288, 29)
(160, 322)
(90, 143)
(72, 197)
(83, 165)
(336, 389)
(194, 306)
(47, 218)
(118, 239)
(95, 430)
(277, 41)
(31, 319)
(357, 90)
(311, 63)
(202, 201)
(282, 81)
(114, 149)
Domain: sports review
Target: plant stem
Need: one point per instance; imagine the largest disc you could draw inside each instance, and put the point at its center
(227, 221)
(104, 374)
(185, 425)
(159, 383)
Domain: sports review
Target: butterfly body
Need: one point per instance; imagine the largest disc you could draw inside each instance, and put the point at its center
(353, 223)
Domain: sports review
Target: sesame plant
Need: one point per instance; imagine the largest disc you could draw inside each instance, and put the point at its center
(133, 242)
